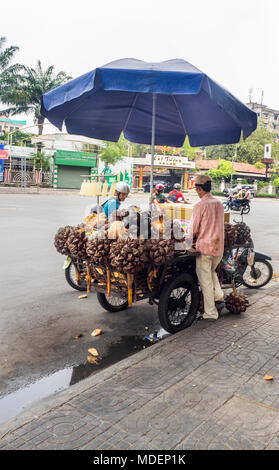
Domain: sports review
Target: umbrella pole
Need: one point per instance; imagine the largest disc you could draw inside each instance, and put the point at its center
(154, 96)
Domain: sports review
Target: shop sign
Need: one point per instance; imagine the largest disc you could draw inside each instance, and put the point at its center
(267, 151)
(4, 154)
(170, 161)
(68, 157)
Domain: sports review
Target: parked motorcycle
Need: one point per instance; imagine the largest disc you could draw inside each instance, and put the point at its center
(247, 267)
(243, 207)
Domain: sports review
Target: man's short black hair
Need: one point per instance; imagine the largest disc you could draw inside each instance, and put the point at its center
(205, 186)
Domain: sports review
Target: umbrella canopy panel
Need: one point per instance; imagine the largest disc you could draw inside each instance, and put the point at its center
(118, 97)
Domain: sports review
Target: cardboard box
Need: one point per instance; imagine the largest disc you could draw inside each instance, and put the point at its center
(183, 212)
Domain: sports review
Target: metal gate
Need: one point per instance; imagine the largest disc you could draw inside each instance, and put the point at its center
(69, 177)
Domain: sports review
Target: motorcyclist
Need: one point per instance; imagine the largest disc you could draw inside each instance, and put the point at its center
(176, 195)
(247, 195)
(112, 203)
(158, 196)
(237, 198)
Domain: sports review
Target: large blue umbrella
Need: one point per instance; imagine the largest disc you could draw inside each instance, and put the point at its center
(152, 103)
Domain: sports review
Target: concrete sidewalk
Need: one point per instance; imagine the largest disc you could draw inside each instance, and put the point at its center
(202, 388)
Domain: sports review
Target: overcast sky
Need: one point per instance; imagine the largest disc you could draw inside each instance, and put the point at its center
(235, 42)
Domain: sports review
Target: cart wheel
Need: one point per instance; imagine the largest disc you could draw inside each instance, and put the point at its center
(112, 303)
(179, 303)
(70, 274)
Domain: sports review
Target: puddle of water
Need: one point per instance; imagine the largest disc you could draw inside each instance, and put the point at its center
(13, 404)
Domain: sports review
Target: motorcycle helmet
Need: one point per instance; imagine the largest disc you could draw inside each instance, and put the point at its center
(177, 186)
(122, 187)
(159, 188)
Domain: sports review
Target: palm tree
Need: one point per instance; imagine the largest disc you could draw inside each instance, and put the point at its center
(6, 56)
(23, 91)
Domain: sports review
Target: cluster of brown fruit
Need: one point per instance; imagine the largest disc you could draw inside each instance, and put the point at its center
(98, 248)
(237, 234)
(76, 242)
(128, 242)
(230, 235)
(160, 251)
(61, 238)
(236, 303)
(128, 256)
(243, 233)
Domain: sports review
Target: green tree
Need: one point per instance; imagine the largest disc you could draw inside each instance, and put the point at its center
(19, 138)
(113, 151)
(6, 57)
(23, 91)
(187, 150)
(41, 160)
(250, 150)
(259, 165)
(223, 170)
(217, 152)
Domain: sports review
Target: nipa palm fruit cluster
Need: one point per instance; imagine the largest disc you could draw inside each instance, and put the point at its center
(230, 235)
(98, 248)
(128, 242)
(160, 251)
(76, 242)
(243, 233)
(61, 238)
(236, 302)
(128, 255)
(237, 234)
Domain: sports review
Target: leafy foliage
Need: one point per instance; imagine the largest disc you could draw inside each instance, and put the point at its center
(259, 165)
(250, 150)
(275, 182)
(223, 170)
(19, 138)
(22, 91)
(6, 57)
(41, 160)
(114, 151)
(217, 152)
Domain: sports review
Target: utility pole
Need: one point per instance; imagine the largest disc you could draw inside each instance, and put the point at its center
(250, 94)
(262, 103)
(233, 160)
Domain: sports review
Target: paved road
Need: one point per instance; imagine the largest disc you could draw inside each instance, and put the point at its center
(41, 314)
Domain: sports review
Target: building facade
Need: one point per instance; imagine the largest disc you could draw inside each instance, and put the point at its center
(269, 116)
(241, 170)
(9, 125)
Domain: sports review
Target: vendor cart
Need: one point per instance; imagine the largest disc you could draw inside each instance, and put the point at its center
(173, 287)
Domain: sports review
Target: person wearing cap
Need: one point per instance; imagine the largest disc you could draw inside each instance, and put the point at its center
(207, 226)
(121, 192)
